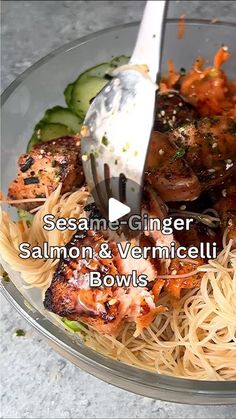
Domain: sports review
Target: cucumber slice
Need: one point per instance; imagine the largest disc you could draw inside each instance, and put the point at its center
(74, 325)
(64, 116)
(98, 71)
(68, 92)
(89, 84)
(25, 215)
(45, 132)
(85, 89)
(32, 142)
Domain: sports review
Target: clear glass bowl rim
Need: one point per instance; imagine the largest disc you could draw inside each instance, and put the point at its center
(115, 372)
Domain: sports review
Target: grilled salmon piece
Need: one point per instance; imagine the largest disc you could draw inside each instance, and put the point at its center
(209, 147)
(44, 167)
(104, 308)
(167, 171)
(172, 111)
(70, 295)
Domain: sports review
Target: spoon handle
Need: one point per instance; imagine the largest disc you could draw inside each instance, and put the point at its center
(148, 46)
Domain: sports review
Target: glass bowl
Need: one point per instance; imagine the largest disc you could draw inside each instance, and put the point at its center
(24, 102)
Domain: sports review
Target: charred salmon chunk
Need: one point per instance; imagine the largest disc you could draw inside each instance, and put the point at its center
(167, 171)
(43, 168)
(172, 110)
(209, 147)
(105, 308)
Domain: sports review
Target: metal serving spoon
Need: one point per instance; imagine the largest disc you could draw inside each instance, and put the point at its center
(118, 124)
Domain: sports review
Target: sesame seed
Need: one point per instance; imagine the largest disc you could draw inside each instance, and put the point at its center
(170, 95)
(161, 152)
(224, 193)
(84, 157)
(112, 301)
(225, 48)
(214, 145)
(182, 207)
(162, 113)
(173, 118)
(230, 222)
(229, 165)
(174, 272)
(174, 112)
(180, 104)
(211, 170)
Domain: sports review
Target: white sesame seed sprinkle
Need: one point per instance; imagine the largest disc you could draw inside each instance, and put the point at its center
(229, 165)
(214, 145)
(182, 207)
(211, 170)
(224, 193)
(162, 113)
(161, 152)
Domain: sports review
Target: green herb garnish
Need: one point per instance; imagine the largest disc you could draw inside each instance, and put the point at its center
(126, 147)
(5, 276)
(19, 332)
(105, 140)
(209, 137)
(180, 153)
(73, 325)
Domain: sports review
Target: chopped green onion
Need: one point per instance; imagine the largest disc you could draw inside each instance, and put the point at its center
(179, 153)
(74, 325)
(20, 332)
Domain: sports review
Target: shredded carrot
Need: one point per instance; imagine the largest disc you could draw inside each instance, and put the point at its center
(208, 88)
(21, 226)
(221, 57)
(146, 319)
(172, 77)
(181, 27)
(157, 287)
